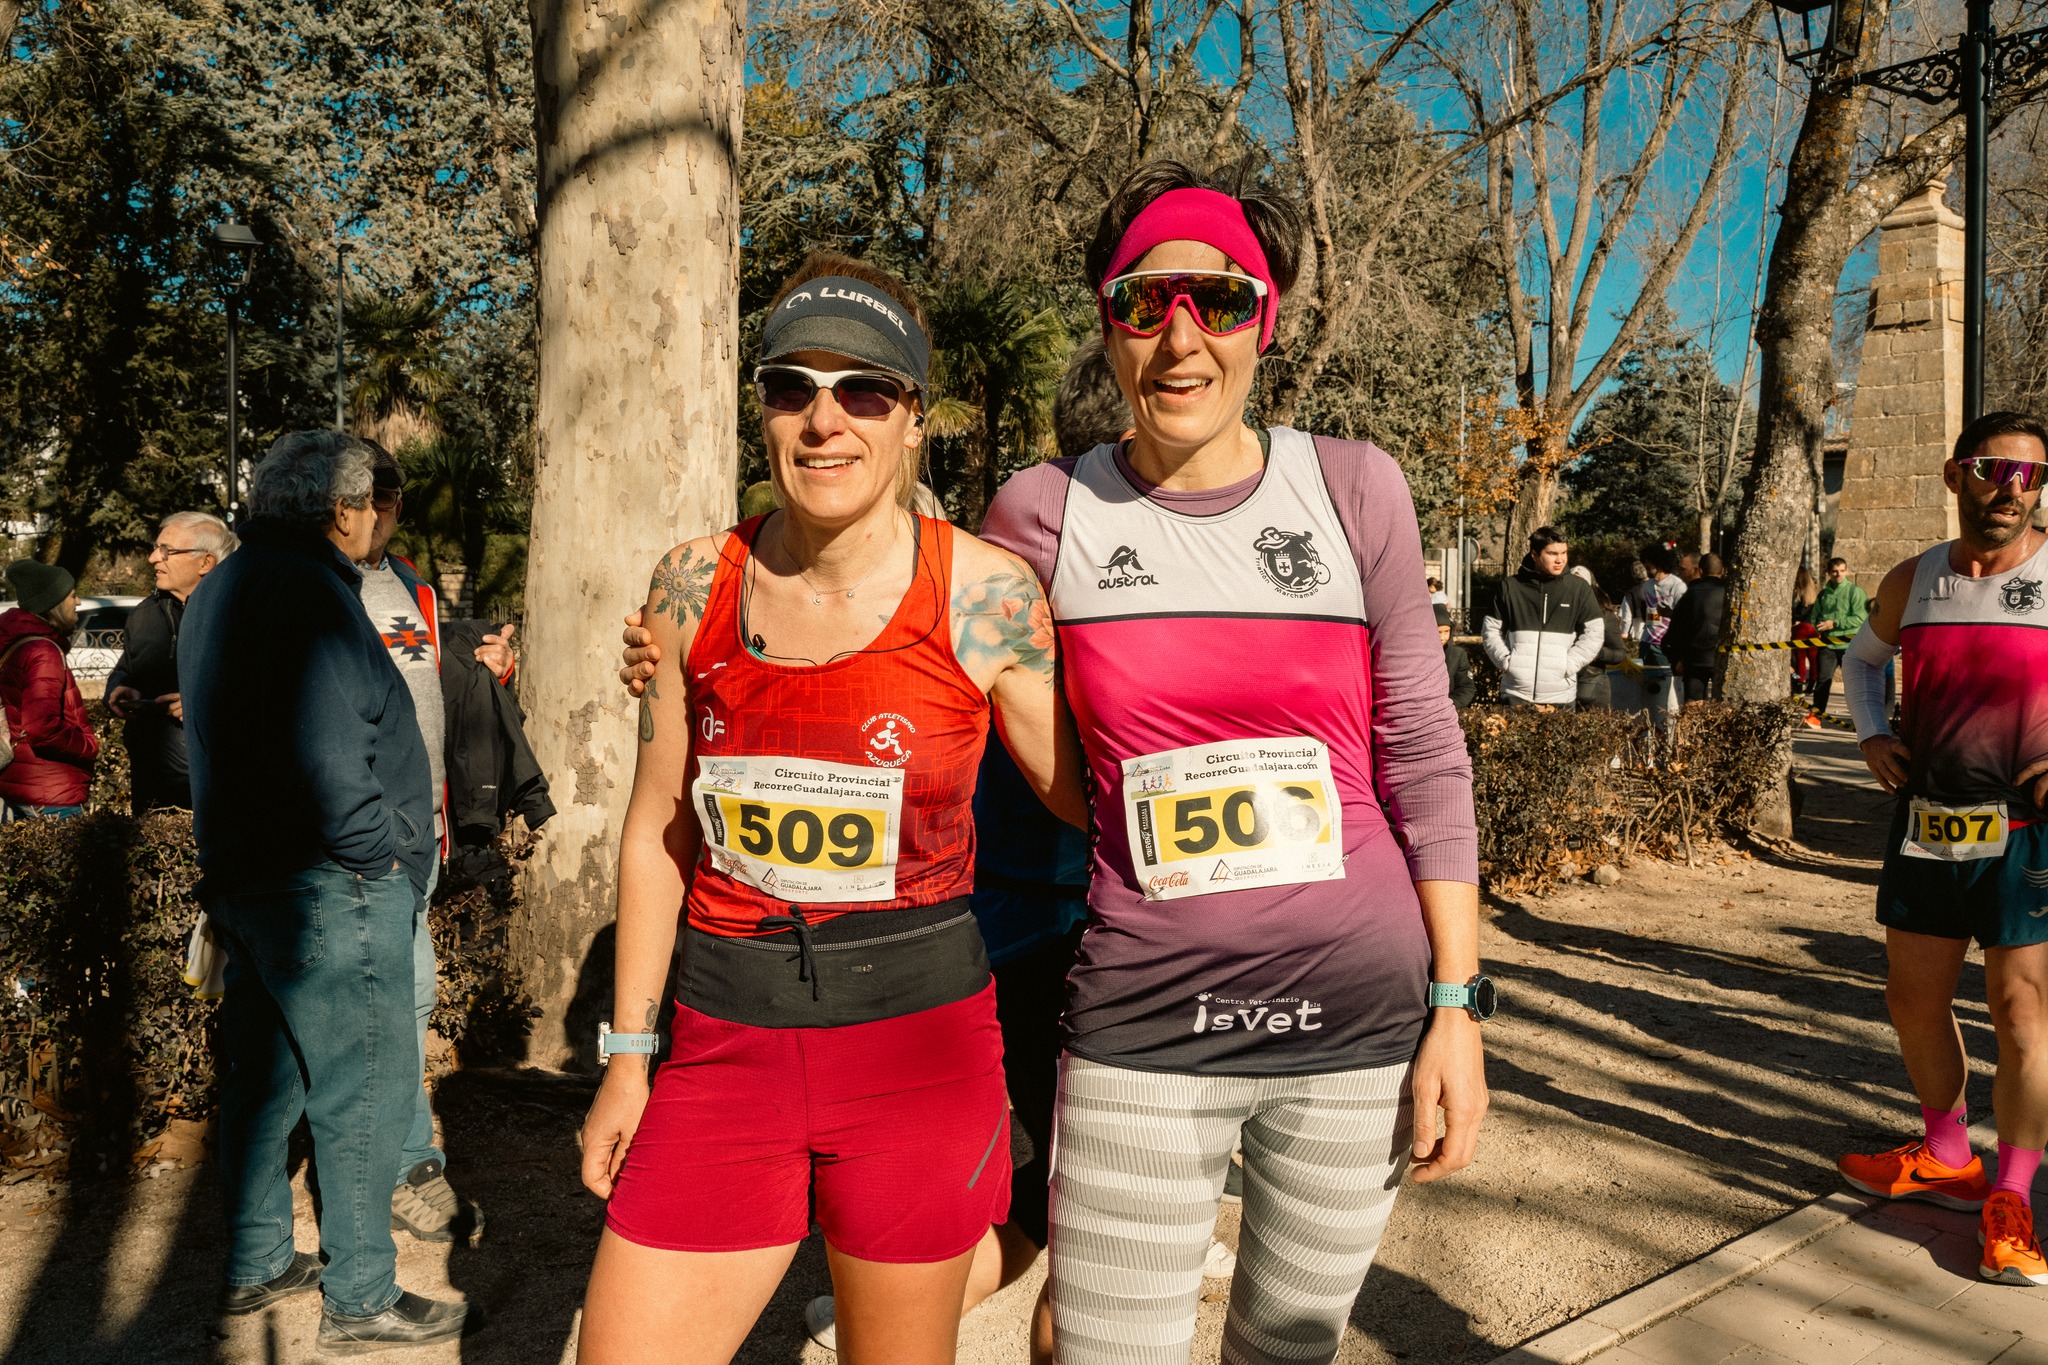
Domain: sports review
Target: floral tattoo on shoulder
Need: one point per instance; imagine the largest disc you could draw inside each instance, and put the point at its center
(681, 585)
(1004, 619)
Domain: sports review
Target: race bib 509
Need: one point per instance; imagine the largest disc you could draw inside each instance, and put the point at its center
(799, 829)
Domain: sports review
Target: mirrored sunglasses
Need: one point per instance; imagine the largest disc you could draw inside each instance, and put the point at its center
(862, 393)
(2030, 473)
(1220, 302)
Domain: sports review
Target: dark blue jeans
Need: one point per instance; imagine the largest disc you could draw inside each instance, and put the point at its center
(318, 1020)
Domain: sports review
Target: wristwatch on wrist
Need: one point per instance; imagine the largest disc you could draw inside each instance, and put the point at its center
(1476, 997)
(610, 1044)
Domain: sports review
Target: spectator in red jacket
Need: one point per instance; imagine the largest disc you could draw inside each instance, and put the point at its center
(54, 746)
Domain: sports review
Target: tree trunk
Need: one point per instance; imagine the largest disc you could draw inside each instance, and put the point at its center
(1823, 219)
(1538, 495)
(637, 122)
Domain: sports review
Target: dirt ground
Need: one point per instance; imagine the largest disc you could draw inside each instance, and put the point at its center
(1677, 1061)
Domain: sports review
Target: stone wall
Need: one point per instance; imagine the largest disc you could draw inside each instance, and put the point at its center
(1908, 406)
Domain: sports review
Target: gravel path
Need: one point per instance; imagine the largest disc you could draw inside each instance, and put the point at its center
(1679, 1058)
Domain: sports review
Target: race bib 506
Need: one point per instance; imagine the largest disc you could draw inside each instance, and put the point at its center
(801, 830)
(1231, 815)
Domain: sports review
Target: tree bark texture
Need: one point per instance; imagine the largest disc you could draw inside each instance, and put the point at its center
(1825, 216)
(637, 121)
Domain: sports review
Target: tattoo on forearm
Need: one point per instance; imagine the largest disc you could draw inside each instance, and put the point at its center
(1004, 619)
(647, 713)
(681, 585)
(647, 1026)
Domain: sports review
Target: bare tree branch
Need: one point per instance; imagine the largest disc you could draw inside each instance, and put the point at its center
(1247, 67)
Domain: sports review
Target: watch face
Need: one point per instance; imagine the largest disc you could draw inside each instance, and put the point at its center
(1484, 998)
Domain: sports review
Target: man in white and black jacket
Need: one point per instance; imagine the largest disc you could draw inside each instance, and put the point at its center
(1544, 627)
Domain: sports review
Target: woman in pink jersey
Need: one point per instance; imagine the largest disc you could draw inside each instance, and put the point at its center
(1283, 943)
(808, 749)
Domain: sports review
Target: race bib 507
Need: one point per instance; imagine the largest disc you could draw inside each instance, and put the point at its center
(1954, 834)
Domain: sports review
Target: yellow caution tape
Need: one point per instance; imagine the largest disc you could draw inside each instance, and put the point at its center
(1811, 642)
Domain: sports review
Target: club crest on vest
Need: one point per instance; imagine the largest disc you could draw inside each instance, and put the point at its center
(1289, 561)
(1124, 571)
(2021, 596)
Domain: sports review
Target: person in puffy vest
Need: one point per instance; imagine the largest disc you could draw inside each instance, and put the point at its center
(1544, 627)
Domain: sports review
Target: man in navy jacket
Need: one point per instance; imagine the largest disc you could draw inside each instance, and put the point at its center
(312, 806)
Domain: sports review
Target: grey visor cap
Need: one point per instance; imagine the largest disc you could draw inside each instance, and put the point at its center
(851, 318)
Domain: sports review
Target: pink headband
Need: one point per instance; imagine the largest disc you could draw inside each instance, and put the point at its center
(1208, 216)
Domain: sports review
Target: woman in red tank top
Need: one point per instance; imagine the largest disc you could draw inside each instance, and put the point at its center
(808, 749)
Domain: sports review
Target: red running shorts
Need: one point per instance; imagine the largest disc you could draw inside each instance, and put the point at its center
(896, 1131)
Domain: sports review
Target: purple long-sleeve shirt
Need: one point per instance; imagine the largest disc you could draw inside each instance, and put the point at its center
(1214, 617)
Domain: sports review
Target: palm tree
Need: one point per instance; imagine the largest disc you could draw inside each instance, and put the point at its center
(400, 377)
(456, 490)
(999, 360)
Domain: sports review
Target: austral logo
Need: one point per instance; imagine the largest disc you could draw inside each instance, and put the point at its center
(2021, 595)
(1290, 562)
(1124, 571)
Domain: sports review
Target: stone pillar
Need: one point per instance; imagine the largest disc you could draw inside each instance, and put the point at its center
(1909, 393)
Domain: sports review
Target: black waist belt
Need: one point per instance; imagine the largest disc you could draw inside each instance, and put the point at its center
(814, 976)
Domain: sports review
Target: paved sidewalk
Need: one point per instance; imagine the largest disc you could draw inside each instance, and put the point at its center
(1848, 1280)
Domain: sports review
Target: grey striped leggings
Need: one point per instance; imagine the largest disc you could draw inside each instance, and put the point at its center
(1138, 1167)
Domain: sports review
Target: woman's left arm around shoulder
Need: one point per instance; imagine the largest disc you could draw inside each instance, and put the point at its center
(1003, 637)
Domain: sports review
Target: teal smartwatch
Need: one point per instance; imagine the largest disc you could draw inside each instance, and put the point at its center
(610, 1045)
(1476, 997)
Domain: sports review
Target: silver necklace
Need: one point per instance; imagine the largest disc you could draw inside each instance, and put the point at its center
(818, 594)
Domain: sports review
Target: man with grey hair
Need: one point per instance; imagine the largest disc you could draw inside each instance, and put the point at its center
(312, 808)
(142, 689)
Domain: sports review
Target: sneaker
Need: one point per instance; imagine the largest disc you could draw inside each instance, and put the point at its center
(425, 1205)
(1233, 1183)
(1220, 1263)
(302, 1276)
(818, 1324)
(412, 1321)
(1812, 721)
(2012, 1254)
(1908, 1172)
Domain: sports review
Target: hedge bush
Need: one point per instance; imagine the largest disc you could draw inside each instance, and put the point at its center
(102, 1044)
(1563, 791)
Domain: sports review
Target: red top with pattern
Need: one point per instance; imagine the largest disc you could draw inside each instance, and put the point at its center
(902, 702)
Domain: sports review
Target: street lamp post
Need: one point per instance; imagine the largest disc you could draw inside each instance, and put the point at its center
(235, 244)
(1972, 73)
(340, 330)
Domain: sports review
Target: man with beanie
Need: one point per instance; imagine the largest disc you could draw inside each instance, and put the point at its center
(1544, 627)
(54, 746)
(1695, 639)
(403, 609)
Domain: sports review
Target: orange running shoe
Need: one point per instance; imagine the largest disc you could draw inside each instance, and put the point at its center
(2012, 1254)
(1908, 1172)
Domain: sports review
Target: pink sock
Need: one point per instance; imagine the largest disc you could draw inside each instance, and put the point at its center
(2016, 1167)
(1948, 1136)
